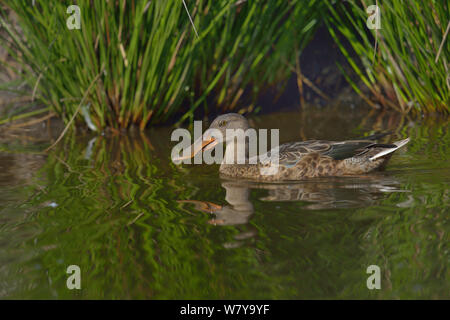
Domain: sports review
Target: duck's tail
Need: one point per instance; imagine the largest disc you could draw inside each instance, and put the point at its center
(383, 152)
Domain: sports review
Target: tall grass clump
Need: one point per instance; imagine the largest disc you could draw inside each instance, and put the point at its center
(404, 64)
(141, 62)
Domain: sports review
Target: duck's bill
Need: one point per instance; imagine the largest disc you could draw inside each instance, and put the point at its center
(201, 144)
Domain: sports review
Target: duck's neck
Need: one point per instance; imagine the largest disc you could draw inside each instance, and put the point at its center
(236, 152)
(236, 165)
(236, 161)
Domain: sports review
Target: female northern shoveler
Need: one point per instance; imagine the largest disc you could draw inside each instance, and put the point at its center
(296, 160)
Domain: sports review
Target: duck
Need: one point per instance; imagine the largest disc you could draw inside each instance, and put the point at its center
(295, 160)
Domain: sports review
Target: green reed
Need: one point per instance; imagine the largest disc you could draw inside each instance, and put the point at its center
(141, 62)
(404, 64)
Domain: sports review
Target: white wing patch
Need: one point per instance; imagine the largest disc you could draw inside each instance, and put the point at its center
(399, 144)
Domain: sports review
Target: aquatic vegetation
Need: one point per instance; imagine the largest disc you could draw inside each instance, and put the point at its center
(141, 62)
(404, 64)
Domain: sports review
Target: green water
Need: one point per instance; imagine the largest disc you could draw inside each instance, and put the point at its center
(140, 227)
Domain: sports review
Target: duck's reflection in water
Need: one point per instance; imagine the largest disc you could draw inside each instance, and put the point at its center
(316, 194)
(332, 193)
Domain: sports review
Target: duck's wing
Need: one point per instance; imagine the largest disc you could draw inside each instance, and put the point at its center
(291, 153)
(351, 148)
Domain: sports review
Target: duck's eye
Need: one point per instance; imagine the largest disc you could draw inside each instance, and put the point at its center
(222, 123)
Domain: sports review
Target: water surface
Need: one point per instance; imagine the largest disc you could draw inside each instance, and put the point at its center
(141, 227)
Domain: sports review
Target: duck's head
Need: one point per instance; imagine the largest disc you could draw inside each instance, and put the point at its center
(227, 121)
(216, 133)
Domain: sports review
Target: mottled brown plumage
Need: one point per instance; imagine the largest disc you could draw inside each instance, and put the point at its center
(306, 159)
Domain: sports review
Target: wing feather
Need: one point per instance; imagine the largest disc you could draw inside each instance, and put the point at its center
(291, 153)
